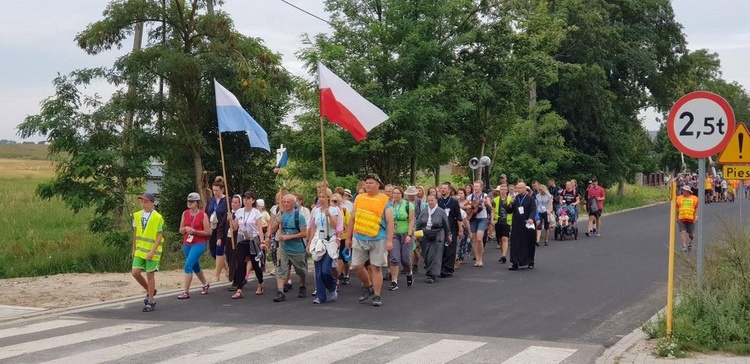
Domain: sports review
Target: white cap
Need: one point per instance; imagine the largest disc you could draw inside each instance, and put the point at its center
(194, 196)
(260, 203)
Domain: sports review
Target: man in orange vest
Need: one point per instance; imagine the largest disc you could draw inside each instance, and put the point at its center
(369, 236)
(687, 208)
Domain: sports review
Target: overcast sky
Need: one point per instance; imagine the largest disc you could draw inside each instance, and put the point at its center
(37, 42)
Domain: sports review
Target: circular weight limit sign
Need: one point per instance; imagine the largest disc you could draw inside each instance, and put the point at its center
(700, 124)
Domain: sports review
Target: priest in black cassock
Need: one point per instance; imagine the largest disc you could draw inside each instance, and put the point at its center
(523, 228)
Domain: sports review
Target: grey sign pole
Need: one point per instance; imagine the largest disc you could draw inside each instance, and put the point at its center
(701, 207)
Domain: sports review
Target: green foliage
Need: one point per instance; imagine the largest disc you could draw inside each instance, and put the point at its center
(716, 317)
(634, 196)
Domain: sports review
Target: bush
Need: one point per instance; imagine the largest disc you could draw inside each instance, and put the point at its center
(716, 317)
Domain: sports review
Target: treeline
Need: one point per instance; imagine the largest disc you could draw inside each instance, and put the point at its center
(545, 88)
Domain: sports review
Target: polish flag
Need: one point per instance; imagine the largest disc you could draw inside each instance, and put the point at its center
(345, 107)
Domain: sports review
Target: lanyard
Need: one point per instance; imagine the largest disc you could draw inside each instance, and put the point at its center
(144, 220)
(245, 219)
(192, 223)
(522, 199)
(446, 203)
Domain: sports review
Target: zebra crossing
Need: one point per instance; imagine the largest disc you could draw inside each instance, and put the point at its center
(74, 340)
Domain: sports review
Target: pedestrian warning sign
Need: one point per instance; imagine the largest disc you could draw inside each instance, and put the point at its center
(738, 150)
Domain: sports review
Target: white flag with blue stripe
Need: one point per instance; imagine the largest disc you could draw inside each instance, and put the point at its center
(232, 117)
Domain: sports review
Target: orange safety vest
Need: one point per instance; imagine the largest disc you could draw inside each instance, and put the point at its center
(368, 212)
(686, 207)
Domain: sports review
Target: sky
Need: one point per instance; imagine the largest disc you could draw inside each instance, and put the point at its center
(38, 43)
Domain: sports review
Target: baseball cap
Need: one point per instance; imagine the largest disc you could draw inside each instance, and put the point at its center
(147, 196)
(260, 203)
(249, 194)
(194, 196)
(591, 182)
(375, 177)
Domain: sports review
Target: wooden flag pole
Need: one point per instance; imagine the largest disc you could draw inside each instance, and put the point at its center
(226, 191)
(323, 148)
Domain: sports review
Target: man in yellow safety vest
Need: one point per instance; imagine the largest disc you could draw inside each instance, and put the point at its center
(687, 206)
(148, 227)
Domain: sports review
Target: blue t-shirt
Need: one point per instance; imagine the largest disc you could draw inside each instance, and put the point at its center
(383, 233)
(288, 227)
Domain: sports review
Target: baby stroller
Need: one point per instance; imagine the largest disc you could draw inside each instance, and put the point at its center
(565, 224)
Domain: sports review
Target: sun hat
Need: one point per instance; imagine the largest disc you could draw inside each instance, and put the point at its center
(260, 203)
(194, 196)
(687, 188)
(411, 190)
(347, 192)
(375, 177)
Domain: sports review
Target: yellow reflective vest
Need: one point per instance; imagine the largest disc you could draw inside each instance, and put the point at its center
(496, 215)
(686, 207)
(146, 238)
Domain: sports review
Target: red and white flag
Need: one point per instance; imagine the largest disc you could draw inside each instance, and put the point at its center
(344, 106)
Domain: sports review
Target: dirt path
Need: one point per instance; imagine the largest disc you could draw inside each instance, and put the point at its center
(74, 289)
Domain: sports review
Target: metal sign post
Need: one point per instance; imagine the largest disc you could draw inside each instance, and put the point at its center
(699, 223)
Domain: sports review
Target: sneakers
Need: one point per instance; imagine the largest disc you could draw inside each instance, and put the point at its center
(287, 287)
(366, 293)
(684, 249)
(149, 307)
(597, 234)
(204, 289)
(409, 280)
(503, 260)
(690, 247)
(393, 286)
(334, 296)
(302, 292)
(315, 293)
(316, 301)
(377, 301)
(430, 280)
(280, 297)
(588, 233)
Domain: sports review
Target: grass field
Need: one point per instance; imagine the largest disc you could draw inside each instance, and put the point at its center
(43, 237)
(23, 151)
(634, 196)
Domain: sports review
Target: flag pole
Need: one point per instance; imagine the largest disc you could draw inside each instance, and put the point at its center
(226, 189)
(323, 148)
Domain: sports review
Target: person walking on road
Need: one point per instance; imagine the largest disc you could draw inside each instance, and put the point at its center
(687, 208)
(412, 195)
(478, 204)
(248, 222)
(435, 228)
(370, 236)
(523, 231)
(292, 250)
(147, 240)
(236, 205)
(403, 216)
(544, 209)
(195, 229)
(503, 220)
(323, 235)
(452, 208)
(595, 206)
(217, 210)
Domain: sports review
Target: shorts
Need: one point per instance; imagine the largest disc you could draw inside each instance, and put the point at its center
(718, 189)
(686, 226)
(372, 250)
(146, 265)
(478, 224)
(502, 230)
(596, 214)
(543, 221)
(298, 261)
(220, 248)
(401, 252)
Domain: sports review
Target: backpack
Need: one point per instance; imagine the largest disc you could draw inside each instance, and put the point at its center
(593, 205)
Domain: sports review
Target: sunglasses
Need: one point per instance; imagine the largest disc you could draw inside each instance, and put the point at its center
(335, 201)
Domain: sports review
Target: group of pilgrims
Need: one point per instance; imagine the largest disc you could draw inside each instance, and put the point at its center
(379, 233)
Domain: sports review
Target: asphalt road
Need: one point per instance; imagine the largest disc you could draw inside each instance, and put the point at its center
(591, 290)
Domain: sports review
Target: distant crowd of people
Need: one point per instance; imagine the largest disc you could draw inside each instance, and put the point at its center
(380, 232)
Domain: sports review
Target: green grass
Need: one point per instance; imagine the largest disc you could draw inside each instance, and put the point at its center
(43, 237)
(634, 196)
(716, 317)
(23, 151)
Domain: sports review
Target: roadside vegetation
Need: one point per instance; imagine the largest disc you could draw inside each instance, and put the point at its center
(634, 196)
(716, 317)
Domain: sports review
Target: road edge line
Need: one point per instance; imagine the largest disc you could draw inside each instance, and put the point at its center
(613, 354)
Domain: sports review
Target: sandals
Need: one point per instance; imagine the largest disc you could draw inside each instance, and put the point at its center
(260, 290)
(204, 289)
(237, 295)
(183, 296)
(148, 308)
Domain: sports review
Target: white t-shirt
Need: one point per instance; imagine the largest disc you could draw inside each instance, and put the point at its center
(481, 200)
(247, 221)
(321, 222)
(348, 205)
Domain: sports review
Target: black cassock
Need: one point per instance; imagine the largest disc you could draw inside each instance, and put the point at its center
(522, 239)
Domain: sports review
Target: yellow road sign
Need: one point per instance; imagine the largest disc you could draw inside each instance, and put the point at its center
(738, 150)
(736, 172)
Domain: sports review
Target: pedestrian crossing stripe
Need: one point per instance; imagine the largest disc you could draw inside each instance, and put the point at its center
(436, 352)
